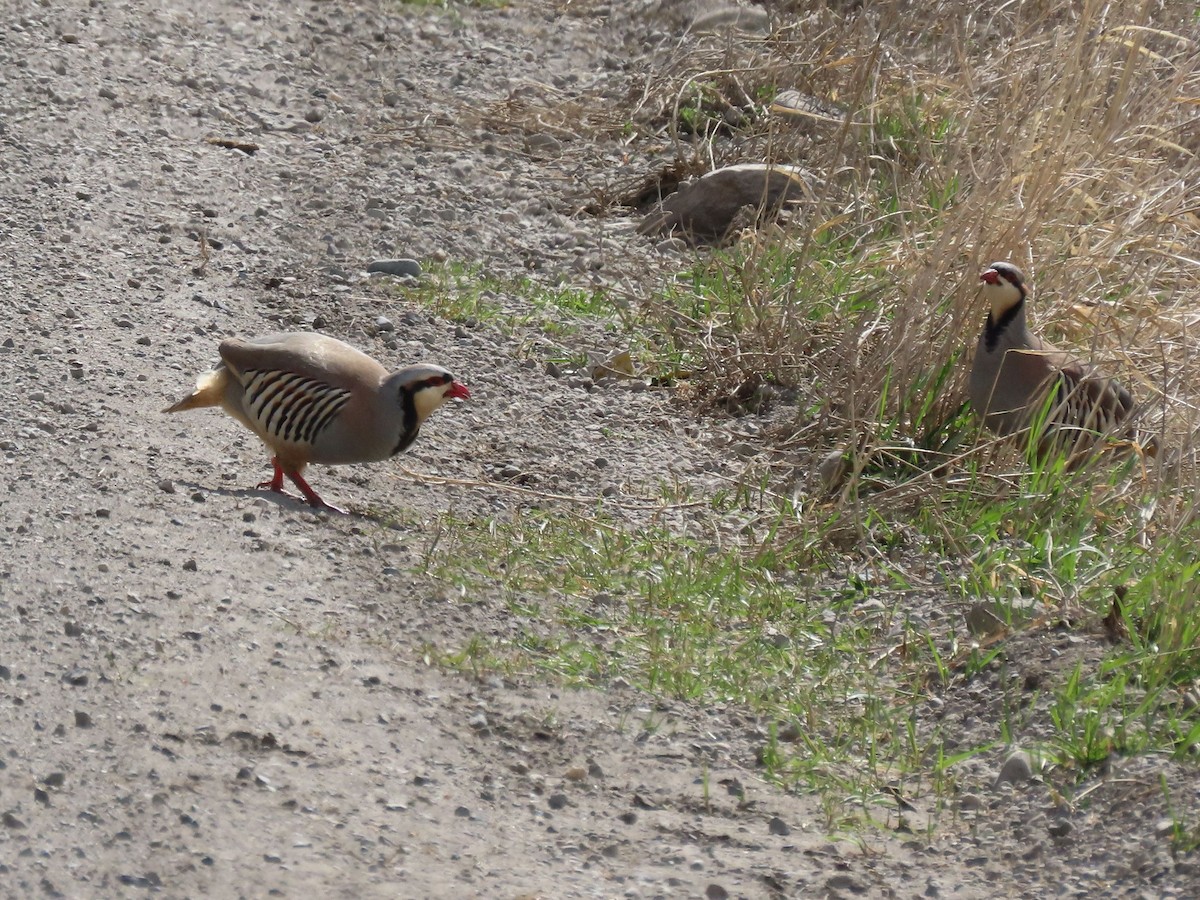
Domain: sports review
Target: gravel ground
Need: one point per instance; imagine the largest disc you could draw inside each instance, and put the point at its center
(212, 692)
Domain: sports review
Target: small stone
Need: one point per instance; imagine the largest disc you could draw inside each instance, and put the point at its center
(167, 486)
(402, 268)
(552, 369)
(543, 145)
(384, 324)
(11, 821)
(189, 565)
(970, 803)
(69, 37)
(313, 115)
(832, 469)
(478, 722)
(54, 780)
(1061, 829)
(76, 678)
(845, 883)
(671, 245)
(790, 732)
(716, 892)
(557, 801)
(107, 93)
(778, 826)
(1017, 769)
(576, 773)
(982, 621)
(82, 719)
(103, 513)
(72, 629)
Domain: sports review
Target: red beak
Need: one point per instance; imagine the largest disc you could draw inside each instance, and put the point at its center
(458, 390)
(991, 276)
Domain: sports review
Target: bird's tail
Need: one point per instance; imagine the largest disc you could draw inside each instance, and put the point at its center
(210, 388)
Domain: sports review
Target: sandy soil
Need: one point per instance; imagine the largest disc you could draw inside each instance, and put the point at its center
(210, 691)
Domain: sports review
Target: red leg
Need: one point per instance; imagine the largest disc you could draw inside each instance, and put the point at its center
(310, 495)
(276, 483)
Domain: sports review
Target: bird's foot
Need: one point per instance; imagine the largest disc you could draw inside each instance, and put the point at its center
(311, 496)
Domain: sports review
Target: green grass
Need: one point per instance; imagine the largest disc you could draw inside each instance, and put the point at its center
(1042, 144)
(822, 645)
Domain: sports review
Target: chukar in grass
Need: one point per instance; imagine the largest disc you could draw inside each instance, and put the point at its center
(1019, 382)
(315, 399)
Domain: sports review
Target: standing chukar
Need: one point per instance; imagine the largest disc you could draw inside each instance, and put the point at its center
(314, 399)
(1017, 377)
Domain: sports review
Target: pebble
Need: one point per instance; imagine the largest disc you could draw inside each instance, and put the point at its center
(778, 826)
(1060, 829)
(847, 883)
(557, 801)
(400, 267)
(716, 892)
(970, 803)
(82, 719)
(543, 145)
(1017, 769)
(384, 324)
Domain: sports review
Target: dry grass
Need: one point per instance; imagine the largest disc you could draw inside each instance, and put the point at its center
(1063, 139)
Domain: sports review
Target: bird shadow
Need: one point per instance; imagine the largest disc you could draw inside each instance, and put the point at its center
(282, 499)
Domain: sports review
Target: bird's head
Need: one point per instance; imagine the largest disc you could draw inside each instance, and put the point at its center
(429, 386)
(1004, 286)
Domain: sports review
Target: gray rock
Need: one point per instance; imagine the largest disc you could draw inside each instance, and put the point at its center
(705, 210)
(751, 20)
(1017, 770)
(400, 267)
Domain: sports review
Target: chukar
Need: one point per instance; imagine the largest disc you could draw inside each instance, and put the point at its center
(315, 399)
(1017, 377)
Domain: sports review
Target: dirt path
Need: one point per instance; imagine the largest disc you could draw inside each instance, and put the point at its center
(212, 692)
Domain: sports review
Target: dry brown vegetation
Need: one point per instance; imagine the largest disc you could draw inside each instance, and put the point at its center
(1060, 136)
